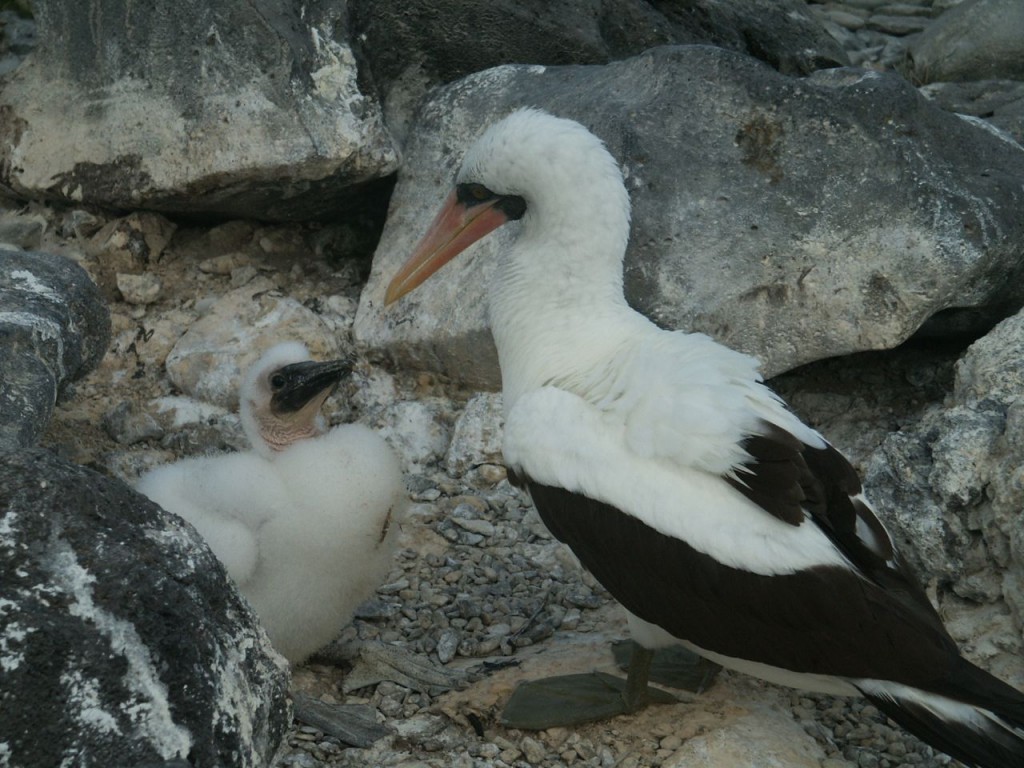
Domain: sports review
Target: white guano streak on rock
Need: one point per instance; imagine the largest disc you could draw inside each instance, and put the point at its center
(152, 713)
(32, 283)
(47, 329)
(14, 634)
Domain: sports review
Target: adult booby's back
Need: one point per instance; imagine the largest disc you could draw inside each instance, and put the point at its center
(680, 481)
(306, 522)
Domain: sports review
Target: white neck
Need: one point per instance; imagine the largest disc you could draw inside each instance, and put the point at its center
(559, 288)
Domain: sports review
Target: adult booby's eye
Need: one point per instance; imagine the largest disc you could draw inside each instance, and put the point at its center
(278, 380)
(471, 194)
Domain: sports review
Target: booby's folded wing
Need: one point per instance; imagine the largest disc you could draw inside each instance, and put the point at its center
(686, 551)
(687, 400)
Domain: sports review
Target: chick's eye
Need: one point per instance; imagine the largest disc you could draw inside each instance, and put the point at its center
(474, 193)
(277, 381)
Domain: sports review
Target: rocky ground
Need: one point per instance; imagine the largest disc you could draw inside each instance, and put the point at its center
(480, 592)
(480, 596)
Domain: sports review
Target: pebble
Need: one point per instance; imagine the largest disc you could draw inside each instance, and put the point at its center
(533, 750)
(447, 645)
(224, 264)
(126, 424)
(139, 289)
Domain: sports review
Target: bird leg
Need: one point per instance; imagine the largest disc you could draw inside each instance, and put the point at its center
(634, 694)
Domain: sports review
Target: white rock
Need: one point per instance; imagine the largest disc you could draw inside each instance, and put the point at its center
(139, 289)
(414, 428)
(476, 439)
(207, 361)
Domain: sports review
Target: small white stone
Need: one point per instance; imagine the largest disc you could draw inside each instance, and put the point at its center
(139, 289)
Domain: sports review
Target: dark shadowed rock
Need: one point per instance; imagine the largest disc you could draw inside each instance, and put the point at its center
(790, 218)
(226, 107)
(412, 46)
(54, 328)
(122, 642)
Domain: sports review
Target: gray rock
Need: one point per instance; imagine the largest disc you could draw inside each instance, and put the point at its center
(139, 289)
(954, 482)
(127, 424)
(18, 38)
(122, 641)
(418, 430)
(54, 328)
(999, 102)
(412, 46)
(226, 107)
(790, 218)
(22, 229)
(976, 40)
(897, 25)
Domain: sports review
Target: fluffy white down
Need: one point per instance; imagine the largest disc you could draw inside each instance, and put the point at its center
(299, 534)
(324, 553)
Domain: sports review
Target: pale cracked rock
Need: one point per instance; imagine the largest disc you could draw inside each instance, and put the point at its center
(139, 289)
(765, 738)
(222, 107)
(953, 483)
(208, 361)
(417, 431)
(476, 439)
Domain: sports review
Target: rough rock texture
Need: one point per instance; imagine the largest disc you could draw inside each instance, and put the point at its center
(412, 46)
(122, 642)
(54, 328)
(955, 482)
(791, 218)
(976, 40)
(999, 102)
(207, 362)
(226, 107)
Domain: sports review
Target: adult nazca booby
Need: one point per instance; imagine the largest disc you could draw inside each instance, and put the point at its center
(306, 522)
(684, 484)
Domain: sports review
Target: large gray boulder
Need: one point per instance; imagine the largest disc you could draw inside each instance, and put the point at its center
(225, 107)
(54, 329)
(122, 642)
(409, 46)
(953, 484)
(975, 40)
(790, 218)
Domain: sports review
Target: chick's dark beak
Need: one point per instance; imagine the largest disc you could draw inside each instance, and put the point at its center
(299, 385)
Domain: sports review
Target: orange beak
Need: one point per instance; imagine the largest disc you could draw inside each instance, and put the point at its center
(456, 227)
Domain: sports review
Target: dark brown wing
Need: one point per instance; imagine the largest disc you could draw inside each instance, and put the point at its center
(823, 620)
(796, 482)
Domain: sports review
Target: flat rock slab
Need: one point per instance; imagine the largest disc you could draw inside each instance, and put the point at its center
(226, 107)
(121, 640)
(792, 218)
